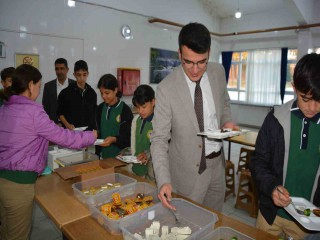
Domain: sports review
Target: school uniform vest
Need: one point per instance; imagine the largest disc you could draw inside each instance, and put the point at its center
(110, 126)
(143, 134)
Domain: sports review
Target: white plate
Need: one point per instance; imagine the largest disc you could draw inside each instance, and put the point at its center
(221, 135)
(128, 159)
(98, 141)
(312, 222)
(80, 128)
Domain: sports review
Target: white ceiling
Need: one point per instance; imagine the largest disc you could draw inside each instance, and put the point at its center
(227, 8)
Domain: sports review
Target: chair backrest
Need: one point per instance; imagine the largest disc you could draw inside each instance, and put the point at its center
(244, 158)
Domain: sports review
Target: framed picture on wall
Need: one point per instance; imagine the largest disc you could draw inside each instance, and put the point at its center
(162, 62)
(23, 58)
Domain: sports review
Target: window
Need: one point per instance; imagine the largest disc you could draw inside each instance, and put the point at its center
(254, 76)
(292, 60)
(237, 76)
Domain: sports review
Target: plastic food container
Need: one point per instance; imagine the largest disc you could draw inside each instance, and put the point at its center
(226, 233)
(200, 220)
(128, 191)
(112, 178)
(80, 157)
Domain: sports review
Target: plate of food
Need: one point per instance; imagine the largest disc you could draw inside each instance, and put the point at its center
(222, 133)
(126, 156)
(309, 214)
(127, 159)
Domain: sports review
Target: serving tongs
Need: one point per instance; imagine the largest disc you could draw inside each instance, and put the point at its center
(299, 211)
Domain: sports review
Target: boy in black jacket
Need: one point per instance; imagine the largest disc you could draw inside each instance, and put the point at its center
(285, 163)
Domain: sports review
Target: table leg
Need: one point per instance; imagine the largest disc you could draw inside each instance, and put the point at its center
(229, 150)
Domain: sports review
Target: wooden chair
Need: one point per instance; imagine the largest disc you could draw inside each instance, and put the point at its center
(230, 183)
(244, 158)
(247, 194)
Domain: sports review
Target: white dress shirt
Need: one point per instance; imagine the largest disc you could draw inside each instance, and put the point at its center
(60, 86)
(209, 111)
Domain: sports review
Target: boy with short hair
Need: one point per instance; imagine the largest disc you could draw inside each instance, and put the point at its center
(286, 159)
(141, 129)
(6, 81)
(77, 102)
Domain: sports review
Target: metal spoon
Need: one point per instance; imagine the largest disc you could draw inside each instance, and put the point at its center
(175, 216)
(174, 213)
(291, 202)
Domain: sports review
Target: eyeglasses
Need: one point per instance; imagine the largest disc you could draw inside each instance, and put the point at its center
(200, 64)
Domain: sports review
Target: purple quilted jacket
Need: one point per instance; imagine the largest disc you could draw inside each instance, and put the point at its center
(25, 130)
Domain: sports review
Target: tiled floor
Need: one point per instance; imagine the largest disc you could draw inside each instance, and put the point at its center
(44, 228)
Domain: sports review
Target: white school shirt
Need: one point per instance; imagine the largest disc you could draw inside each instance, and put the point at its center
(209, 111)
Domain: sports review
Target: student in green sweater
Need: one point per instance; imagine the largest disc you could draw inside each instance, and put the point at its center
(141, 129)
(113, 119)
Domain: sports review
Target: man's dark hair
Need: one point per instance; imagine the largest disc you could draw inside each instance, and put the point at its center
(306, 76)
(61, 61)
(143, 94)
(196, 37)
(7, 73)
(80, 65)
(108, 81)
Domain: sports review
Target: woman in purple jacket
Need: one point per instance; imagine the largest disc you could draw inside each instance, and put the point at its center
(25, 131)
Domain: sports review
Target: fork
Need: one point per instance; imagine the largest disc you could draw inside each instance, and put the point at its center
(291, 202)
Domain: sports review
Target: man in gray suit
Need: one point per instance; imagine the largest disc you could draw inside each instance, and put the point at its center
(184, 162)
(54, 87)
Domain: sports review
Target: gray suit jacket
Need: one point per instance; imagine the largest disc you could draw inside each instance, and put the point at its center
(50, 98)
(175, 146)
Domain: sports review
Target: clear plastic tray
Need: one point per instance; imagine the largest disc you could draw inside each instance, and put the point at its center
(80, 157)
(200, 220)
(97, 182)
(128, 191)
(226, 233)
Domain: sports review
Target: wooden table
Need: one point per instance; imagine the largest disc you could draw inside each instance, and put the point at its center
(55, 197)
(248, 139)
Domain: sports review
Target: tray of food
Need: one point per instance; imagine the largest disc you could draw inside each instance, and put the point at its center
(222, 133)
(309, 217)
(158, 222)
(112, 207)
(226, 233)
(86, 190)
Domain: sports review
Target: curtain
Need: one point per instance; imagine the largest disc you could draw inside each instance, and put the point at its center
(284, 63)
(226, 62)
(263, 75)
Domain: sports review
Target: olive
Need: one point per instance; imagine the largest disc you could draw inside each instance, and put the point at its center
(140, 195)
(307, 212)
